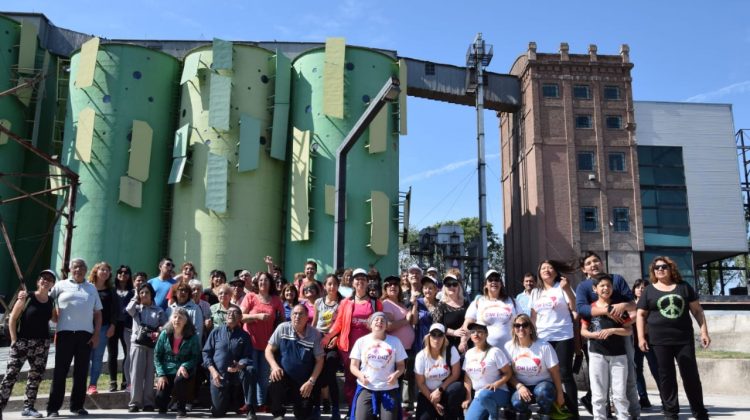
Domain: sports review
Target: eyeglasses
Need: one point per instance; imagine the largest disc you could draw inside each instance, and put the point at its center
(521, 326)
(451, 284)
(47, 279)
(663, 267)
(169, 264)
(436, 334)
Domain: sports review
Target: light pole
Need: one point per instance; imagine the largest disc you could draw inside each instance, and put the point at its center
(478, 57)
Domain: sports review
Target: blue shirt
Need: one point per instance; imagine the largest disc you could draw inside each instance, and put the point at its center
(298, 354)
(225, 346)
(161, 287)
(585, 294)
(524, 300)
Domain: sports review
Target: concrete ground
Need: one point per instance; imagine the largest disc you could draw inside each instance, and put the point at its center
(719, 406)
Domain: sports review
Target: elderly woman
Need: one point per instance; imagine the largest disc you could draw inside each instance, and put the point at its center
(494, 309)
(183, 298)
(101, 278)
(147, 321)
(220, 308)
(176, 355)
(377, 361)
(661, 309)
(437, 370)
(197, 293)
(487, 373)
(536, 373)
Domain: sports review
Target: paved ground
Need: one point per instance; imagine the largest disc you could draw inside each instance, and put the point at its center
(719, 406)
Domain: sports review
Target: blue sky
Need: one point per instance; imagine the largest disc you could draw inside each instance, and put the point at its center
(683, 51)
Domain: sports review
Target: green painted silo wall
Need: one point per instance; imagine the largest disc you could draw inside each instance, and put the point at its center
(130, 83)
(12, 155)
(365, 73)
(251, 226)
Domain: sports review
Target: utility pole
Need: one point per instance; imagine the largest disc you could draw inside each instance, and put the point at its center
(478, 57)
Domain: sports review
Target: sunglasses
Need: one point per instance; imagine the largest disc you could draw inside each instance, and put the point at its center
(451, 284)
(169, 264)
(522, 325)
(658, 267)
(477, 332)
(493, 280)
(436, 334)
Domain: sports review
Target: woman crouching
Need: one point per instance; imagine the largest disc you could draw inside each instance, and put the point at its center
(487, 373)
(437, 371)
(377, 360)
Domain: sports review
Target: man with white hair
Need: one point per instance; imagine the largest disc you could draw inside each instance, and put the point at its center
(414, 275)
(78, 323)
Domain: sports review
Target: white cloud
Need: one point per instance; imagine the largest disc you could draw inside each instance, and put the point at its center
(733, 89)
(421, 176)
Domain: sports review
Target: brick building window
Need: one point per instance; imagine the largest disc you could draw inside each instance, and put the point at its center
(621, 219)
(589, 219)
(616, 162)
(550, 90)
(584, 121)
(581, 92)
(586, 161)
(614, 122)
(611, 93)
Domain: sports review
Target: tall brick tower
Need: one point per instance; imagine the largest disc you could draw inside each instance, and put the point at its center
(569, 163)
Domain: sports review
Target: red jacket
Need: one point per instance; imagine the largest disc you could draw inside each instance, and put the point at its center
(343, 323)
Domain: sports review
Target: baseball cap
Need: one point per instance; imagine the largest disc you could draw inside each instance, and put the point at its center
(437, 326)
(50, 272)
(491, 272)
(237, 280)
(359, 272)
(428, 279)
(415, 267)
(477, 325)
(392, 279)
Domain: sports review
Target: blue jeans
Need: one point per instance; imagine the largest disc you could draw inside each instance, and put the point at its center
(97, 355)
(544, 394)
(259, 383)
(486, 404)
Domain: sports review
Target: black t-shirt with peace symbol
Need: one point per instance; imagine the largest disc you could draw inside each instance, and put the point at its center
(668, 319)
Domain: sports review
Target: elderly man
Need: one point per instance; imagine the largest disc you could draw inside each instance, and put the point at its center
(414, 275)
(299, 366)
(228, 357)
(79, 319)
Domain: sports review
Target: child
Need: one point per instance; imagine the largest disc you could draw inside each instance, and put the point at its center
(608, 362)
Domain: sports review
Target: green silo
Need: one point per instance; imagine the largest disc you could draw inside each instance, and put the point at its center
(227, 208)
(13, 115)
(364, 74)
(130, 105)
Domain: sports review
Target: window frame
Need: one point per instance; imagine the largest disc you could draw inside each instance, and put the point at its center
(609, 126)
(588, 126)
(611, 88)
(578, 161)
(550, 85)
(584, 222)
(586, 88)
(618, 222)
(610, 155)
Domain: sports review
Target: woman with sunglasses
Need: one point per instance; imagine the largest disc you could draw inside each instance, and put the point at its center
(536, 372)
(437, 370)
(552, 305)
(101, 278)
(487, 373)
(664, 309)
(495, 309)
(124, 292)
(640, 381)
(451, 310)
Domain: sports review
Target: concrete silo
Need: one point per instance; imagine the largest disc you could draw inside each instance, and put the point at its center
(331, 88)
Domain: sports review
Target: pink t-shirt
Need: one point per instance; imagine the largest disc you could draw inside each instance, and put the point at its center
(360, 315)
(176, 345)
(405, 333)
(260, 331)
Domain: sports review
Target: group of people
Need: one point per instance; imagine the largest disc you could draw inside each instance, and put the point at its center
(408, 345)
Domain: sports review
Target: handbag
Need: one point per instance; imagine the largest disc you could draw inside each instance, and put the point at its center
(146, 335)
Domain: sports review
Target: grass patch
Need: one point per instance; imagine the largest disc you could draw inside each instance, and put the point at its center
(19, 389)
(721, 354)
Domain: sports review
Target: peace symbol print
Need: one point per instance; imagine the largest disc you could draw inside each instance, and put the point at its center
(671, 306)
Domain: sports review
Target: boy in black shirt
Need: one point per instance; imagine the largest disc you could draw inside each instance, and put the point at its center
(608, 360)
